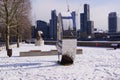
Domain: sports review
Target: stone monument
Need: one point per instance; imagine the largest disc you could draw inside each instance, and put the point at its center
(39, 41)
(67, 40)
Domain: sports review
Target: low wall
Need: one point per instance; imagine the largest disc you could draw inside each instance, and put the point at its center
(89, 43)
(43, 53)
(38, 53)
(96, 44)
(50, 42)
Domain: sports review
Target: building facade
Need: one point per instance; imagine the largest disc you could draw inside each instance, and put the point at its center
(90, 25)
(42, 26)
(113, 23)
(53, 25)
(33, 33)
(86, 25)
(73, 14)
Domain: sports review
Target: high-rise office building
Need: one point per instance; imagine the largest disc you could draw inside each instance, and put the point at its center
(87, 12)
(42, 26)
(53, 25)
(74, 19)
(82, 28)
(86, 16)
(90, 25)
(113, 23)
(86, 26)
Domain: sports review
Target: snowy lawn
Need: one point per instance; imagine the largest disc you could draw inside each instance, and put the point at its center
(93, 64)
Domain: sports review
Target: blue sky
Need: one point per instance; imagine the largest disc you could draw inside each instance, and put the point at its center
(41, 9)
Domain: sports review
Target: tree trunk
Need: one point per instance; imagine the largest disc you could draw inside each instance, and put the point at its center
(7, 37)
(21, 38)
(18, 45)
(18, 38)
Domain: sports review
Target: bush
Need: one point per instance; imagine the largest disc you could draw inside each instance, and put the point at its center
(66, 60)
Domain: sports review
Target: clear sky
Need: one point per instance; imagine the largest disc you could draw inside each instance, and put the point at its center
(99, 9)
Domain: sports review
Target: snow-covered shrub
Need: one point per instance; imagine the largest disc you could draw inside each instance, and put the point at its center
(66, 60)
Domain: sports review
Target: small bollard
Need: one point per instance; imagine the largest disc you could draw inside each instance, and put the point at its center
(9, 52)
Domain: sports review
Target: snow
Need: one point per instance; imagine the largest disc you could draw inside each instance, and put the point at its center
(93, 64)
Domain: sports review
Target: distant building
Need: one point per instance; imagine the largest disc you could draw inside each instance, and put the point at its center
(113, 23)
(42, 26)
(73, 14)
(53, 25)
(82, 28)
(33, 33)
(86, 12)
(86, 26)
(90, 25)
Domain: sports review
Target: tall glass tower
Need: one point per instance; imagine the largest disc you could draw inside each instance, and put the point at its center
(86, 25)
(87, 12)
(53, 25)
(112, 22)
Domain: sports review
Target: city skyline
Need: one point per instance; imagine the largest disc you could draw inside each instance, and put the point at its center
(99, 10)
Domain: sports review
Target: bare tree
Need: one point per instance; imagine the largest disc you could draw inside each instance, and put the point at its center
(11, 15)
(23, 20)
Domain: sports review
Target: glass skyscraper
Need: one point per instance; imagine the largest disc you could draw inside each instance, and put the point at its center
(86, 25)
(53, 25)
(113, 23)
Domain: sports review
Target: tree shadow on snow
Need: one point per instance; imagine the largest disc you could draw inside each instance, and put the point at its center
(29, 65)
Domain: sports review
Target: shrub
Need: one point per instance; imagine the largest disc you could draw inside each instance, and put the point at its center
(66, 60)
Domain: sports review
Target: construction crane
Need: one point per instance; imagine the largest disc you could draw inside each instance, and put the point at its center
(68, 7)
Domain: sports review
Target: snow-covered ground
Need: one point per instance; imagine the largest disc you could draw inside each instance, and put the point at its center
(93, 64)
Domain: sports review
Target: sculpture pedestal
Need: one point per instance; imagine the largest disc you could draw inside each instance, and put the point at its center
(39, 42)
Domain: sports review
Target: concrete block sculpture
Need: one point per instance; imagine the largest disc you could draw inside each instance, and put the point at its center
(67, 41)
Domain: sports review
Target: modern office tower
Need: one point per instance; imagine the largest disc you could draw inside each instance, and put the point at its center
(86, 16)
(42, 26)
(90, 27)
(86, 26)
(74, 19)
(53, 25)
(113, 23)
(82, 29)
(87, 12)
